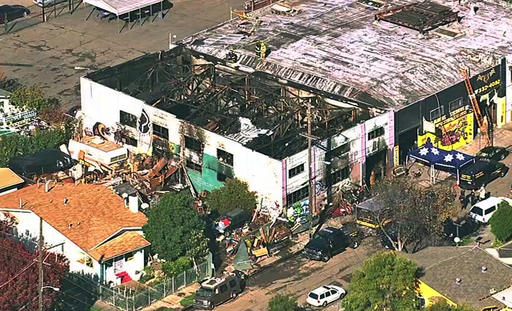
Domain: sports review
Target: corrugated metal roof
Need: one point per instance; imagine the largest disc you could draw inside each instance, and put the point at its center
(336, 46)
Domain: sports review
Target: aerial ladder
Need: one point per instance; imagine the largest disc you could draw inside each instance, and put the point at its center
(481, 118)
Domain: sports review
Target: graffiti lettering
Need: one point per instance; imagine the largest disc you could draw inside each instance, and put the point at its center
(487, 87)
(485, 78)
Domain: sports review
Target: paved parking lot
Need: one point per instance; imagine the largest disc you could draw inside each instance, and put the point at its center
(46, 54)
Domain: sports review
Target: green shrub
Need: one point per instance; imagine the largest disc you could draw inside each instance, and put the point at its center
(180, 265)
(501, 222)
(282, 303)
(188, 301)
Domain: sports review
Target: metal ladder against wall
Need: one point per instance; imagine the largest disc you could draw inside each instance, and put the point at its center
(481, 119)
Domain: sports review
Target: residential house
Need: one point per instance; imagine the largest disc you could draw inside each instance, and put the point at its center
(464, 276)
(9, 181)
(92, 226)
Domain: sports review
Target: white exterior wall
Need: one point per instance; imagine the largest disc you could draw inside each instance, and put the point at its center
(262, 173)
(28, 223)
(133, 267)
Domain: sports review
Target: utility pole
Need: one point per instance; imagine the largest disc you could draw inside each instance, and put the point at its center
(40, 264)
(311, 191)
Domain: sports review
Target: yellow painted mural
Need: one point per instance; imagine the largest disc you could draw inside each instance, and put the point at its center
(452, 132)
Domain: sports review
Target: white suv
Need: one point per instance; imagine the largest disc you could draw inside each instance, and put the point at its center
(325, 295)
(483, 210)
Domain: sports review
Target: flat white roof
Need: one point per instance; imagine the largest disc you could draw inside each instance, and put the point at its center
(119, 7)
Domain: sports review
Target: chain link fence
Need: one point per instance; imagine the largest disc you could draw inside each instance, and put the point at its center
(131, 299)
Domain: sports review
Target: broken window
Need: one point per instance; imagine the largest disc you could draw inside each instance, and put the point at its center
(296, 170)
(161, 131)
(436, 113)
(128, 119)
(221, 177)
(225, 157)
(130, 141)
(378, 132)
(455, 104)
(297, 195)
(340, 175)
(193, 144)
(194, 166)
(161, 148)
(338, 151)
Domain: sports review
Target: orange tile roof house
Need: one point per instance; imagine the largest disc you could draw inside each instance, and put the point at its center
(89, 224)
(9, 181)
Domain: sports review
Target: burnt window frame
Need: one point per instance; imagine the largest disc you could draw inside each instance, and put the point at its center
(161, 131)
(296, 170)
(340, 175)
(225, 157)
(128, 140)
(376, 133)
(297, 195)
(338, 151)
(193, 144)
(128, 119)
(194, 166)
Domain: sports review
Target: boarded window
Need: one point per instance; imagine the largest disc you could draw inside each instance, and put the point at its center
(126, 118)
(193, 144)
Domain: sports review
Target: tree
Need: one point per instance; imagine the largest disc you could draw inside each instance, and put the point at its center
(171, 224)
(234, 195)
(444, 306)
(282, 303)
(19, 145)
(198, 247)
(385, 282)
(501, 222)
(31, 97)
(416, 213)
(172, 268)
(19, 273)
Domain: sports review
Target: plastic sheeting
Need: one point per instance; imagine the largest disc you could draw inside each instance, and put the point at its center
(43, 162)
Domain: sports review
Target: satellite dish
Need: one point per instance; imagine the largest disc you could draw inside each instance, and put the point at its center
(456, 239)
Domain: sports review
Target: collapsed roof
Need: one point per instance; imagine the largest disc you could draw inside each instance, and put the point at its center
(340, 47)
(252, 109)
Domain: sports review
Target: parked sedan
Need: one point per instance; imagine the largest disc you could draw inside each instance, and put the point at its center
(11, 12)
(324, 295)
(493, 153)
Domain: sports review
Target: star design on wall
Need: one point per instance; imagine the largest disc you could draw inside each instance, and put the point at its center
(459, 156)
(448, 158)
(435, 151)
(423, 151)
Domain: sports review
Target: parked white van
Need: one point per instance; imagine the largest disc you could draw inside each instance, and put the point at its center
(483, 210)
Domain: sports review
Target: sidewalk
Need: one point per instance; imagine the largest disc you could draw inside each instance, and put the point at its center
(173, 301)
(502, 137)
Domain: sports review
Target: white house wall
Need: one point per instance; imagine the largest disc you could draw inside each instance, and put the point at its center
(133, 267)
(28, 223)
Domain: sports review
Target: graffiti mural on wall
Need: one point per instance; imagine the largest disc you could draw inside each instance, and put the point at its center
(449, 133)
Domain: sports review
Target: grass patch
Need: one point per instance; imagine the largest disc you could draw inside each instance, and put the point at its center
(465, 241)
(188, 301)
(497, 243)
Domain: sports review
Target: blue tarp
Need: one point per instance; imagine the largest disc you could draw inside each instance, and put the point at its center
(439, 158)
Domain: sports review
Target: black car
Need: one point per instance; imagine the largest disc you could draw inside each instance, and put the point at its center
(11, 12)
(326, 243)
(493, 153)
(354, 234)
(480, 173)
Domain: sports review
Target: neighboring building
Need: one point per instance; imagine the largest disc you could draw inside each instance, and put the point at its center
(360, 52)
(10, 116)
(9, 181)
(225, 123)
(89, 224)
(464, 276)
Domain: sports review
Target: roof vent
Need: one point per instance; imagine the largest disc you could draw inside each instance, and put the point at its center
(484, 269)
(70, 226)
(458, 281)
(65, 201)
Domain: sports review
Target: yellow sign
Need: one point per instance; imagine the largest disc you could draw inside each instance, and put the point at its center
(456, 131)
(396, 155)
